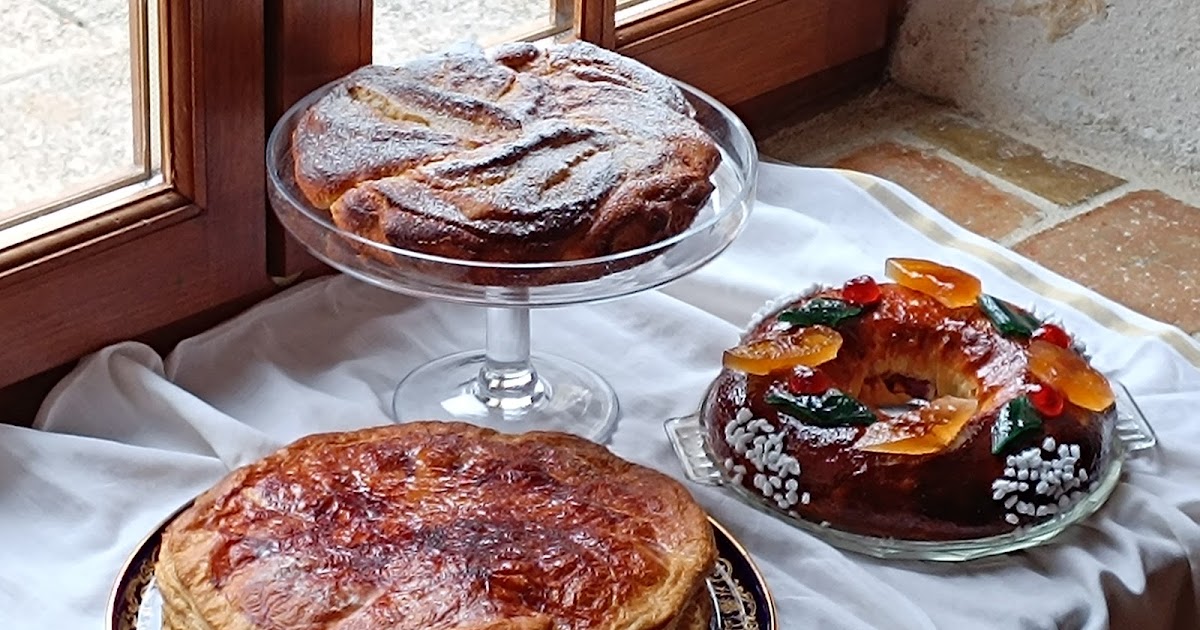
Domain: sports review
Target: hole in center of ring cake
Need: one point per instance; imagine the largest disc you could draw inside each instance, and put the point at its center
(895, 392)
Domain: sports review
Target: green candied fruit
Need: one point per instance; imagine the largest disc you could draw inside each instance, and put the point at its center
(830, 409)
(1008, 319)
(821, 311)
(1016, 419)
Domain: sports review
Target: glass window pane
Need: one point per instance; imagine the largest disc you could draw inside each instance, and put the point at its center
(75, 91)
(407, 28)
(632, 9)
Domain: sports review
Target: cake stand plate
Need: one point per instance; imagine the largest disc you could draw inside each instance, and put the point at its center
(737, 589)
(506, 387)
(1131, 433)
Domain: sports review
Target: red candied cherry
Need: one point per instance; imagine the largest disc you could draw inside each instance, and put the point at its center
(1047, 400)
(805, 380)
(861, 291)
(1053, 334)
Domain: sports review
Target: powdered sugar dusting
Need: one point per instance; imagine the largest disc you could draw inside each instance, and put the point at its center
(524, 142)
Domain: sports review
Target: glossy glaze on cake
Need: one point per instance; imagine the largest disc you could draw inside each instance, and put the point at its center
(439, 526)
(906, 346)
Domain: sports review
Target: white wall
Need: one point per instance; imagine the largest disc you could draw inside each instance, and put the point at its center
(1123, 77)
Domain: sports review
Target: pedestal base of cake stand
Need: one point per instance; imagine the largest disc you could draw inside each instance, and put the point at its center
(507, 389)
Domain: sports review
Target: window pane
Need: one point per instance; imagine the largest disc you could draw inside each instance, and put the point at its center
(75, 91)
(631, 9)
(407, 28)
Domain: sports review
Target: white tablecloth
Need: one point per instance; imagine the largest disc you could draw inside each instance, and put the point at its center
(129, 436)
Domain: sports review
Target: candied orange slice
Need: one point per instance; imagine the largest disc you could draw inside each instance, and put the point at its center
(810, 346)
(928, 430)
(1066, 371)
(953, 287)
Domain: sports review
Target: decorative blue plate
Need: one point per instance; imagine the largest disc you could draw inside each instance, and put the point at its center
(739, 594)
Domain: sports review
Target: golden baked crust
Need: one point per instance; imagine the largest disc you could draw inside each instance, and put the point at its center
(697, 615)
(524, 155)
(908, 341)
(438, 526)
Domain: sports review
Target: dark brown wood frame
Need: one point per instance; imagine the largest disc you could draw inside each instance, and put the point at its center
(311, 43)
(180, 248)
(205, 243)
(741, 51)
(737, 50)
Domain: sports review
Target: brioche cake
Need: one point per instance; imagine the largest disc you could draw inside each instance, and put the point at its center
(521, 154)
(923, 409)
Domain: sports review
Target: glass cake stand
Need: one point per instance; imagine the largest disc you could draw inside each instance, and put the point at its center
(505, 386)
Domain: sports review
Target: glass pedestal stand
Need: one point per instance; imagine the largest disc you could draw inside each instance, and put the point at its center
(505, 387)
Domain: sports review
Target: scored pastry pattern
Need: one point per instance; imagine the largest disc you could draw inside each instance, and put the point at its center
(519, 154)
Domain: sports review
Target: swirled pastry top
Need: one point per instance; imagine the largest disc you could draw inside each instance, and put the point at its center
(435, 525)
(524, 154)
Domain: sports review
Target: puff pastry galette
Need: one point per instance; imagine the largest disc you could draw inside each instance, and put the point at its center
(439, 526)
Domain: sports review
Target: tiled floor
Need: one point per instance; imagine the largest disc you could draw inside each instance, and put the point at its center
(1113, 232)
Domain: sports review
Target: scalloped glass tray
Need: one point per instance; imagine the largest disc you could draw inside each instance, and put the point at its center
(1132, 432)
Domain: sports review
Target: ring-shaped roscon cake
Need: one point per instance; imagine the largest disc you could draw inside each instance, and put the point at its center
(923, 409)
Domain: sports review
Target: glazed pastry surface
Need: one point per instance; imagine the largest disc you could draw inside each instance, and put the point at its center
(438, 526)
(907, 346)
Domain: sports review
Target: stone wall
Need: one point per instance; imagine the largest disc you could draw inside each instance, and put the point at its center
(1121, 77)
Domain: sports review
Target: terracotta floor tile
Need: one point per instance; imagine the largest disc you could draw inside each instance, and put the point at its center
(1141, 250)
(1061, 181)
(972, 202)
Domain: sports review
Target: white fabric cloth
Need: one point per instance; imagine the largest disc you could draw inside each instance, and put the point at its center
(128, 437)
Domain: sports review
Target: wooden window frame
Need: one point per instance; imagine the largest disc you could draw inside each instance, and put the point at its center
(205, 244)
(757, 56)
(181, 248)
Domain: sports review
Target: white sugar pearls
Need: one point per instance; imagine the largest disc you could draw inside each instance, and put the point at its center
(1050, 471)
(761, 443)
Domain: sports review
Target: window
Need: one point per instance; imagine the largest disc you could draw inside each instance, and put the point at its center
(81, 111)
(630, 10)
(402, 29)
(193, 239)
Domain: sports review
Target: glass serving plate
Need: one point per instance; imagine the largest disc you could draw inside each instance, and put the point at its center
(1132, 433)
(503, 386)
